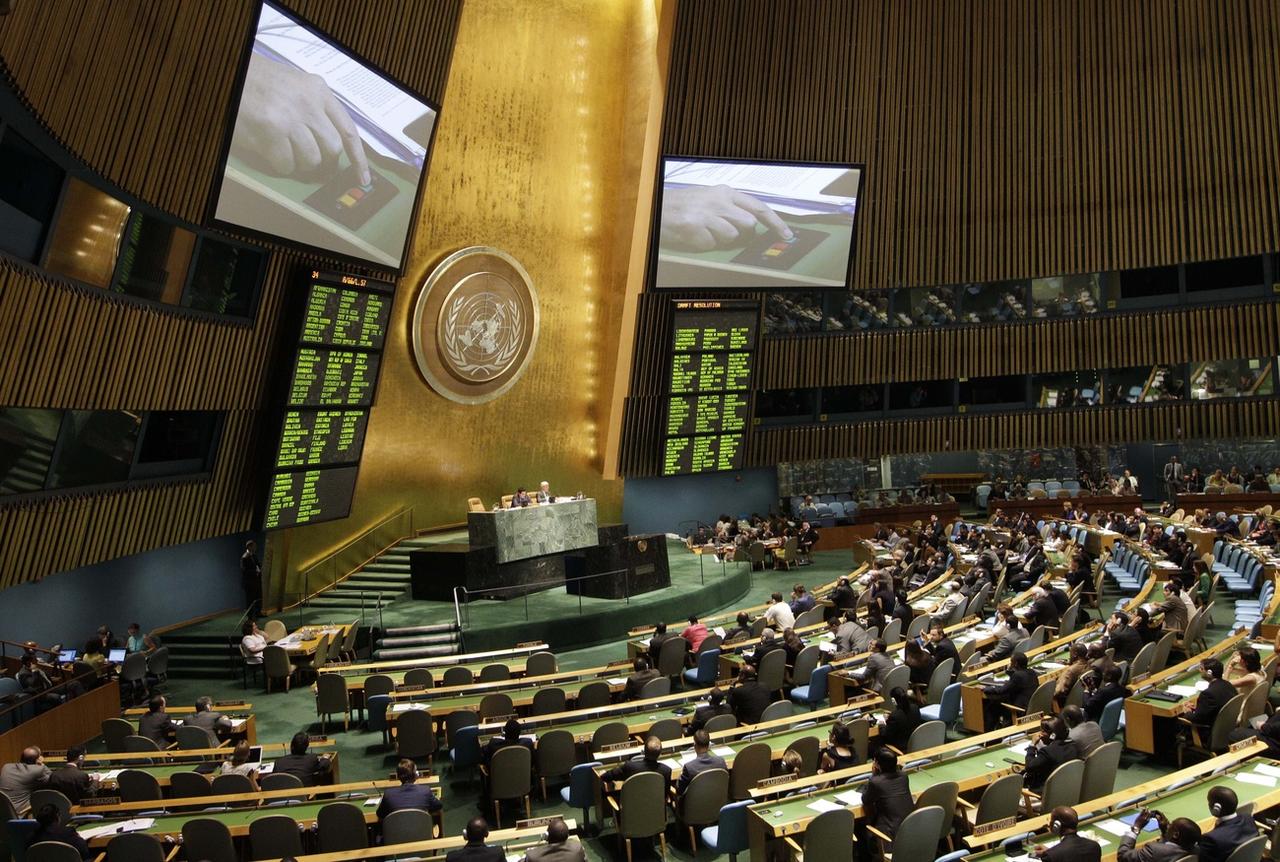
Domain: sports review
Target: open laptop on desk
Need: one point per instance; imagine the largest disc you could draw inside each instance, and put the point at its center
(116, 656)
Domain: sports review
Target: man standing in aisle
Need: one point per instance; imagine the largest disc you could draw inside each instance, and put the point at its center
(251, 577)
(1172, 478)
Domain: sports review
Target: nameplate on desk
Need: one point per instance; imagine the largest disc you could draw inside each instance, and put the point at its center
(537, 822)
(776, 780)
(228, 703)
(55, 754)
(500, 719)
(317, 739)
(99, 801)
(1139, 679)
(1244, 743)
(616, 746)
(623, 663)
(1031, 716)
(413, 687)
(994, 826)
(528, 644)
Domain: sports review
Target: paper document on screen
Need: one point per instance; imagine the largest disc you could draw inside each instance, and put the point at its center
(787, 187)
(367, 94)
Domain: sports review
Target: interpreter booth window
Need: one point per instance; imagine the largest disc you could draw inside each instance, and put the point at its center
(922, 396)
(839, 402)
(85, 241)
(29, 187)
(1141, 288)
(786, 406)
(1232, 378)
(1145, 384)
(864, 310)
(1231, 278)
(154, 259)
(225, 278)
(177, 442)
(794, 313)
(1066, 390)
(997, 302)
(979, 394)
(27, 440)
(95, 447)
(925, 306)
(1066, 295)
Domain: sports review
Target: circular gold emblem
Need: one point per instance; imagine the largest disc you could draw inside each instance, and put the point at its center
(642, 545)
(475, 325)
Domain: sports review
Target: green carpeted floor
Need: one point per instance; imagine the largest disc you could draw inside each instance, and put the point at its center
(280, 715)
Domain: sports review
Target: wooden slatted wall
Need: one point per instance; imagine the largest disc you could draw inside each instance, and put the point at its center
(140, 91)
(1002, 139)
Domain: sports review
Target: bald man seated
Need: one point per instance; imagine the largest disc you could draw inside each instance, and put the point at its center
(559, 847)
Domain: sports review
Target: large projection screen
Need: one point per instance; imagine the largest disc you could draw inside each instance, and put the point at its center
(743, 224)
(325, 150)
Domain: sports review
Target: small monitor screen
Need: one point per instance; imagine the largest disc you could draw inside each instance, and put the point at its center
(115, 656)
(67, 656)
(325, 150)
(755, 225)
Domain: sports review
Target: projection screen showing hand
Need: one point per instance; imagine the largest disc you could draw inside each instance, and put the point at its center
(755, 225)
(325, 150)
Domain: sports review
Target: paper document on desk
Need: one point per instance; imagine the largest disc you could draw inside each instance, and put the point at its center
(109, 775)
(1182, 690)
(266, 768)
(1093, 836)
(1020, 749)
(687, 756)
(673, 763)
(850, 797)
(238, 722)
(723, 751)
(822, 806)
(135, 825)
(1115, 827)
(1267, 769)
(616, 681)
(1255, 778)
(372, 801)
(1201, 685)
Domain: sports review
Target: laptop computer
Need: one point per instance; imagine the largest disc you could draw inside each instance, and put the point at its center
(115, 656)
(68, 656)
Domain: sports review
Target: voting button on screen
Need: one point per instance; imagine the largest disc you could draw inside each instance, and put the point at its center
(350, 203)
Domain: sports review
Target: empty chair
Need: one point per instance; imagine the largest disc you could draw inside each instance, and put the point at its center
(133, 676)
(916, 838)
(456, 676)
(114, 731)
(720, 722)
(416, 735)
(729, 833)
(158, 665)
(751, 765)
(657, 687)
(283, 781)
(275, 837)
(947, 709)
(231, 783)
(892, 631)
(419, 676)
(939, 680)
(580, 792)
(540, 664)
(210, 840)
(829, 836)
(276, 666)
(136, 847)
(811, 617)
(641, 810)
(45, 796)
(340, 826)
(134, 743)
(1217, 740)
(671, 657)
(610, 733)
(408, 824)
(376, 714)
(930, 734)
(1109, 723)
(554, 756)
(1000, 800)
(772, 670)
(510, 773)
(547, 701)
(702, 800)
(805, 662)
(378, 683)
(134, 785)
(274, 630)
(1062, 787)
(705, 671)
(777, 709)
(189, 785)
(496, 704)
(331, 699)
(666, 729)
(191, 737)
(1100, 772)
(456, 721)
(945, 795)
(594, 695)
(494, 673)
(51, 851)
(814, 692)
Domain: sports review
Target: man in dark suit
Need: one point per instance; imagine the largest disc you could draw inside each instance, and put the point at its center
(156, 724)
(71, 780)
(409, 794)
(251, 575)
(1173, 609)
(1016, 690)
(475, 849)
(1231, 830)
(1177, 839)
(641, 674)
(558, 847)
(302, 764)
(649, 762)
(714, 706)
(748, 698)
(51, 828)
(1052, 749)
(843, 596)
(1209, 703)
(511, 735)
(941, 647)
(1122, 638)
(1110, 689)
(1071, 846)
(660, 636)
(209, 720)
(768, 643)
(703, 760)
(1060, 599)
(1043, 611)
(886, 801)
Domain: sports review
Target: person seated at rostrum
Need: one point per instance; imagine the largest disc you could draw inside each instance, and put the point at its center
(409, 795)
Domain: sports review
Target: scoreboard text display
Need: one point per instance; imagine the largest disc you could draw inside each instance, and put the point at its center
(713, 347)
(331, 387)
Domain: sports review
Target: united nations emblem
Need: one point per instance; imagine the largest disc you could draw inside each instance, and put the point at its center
(475, 325)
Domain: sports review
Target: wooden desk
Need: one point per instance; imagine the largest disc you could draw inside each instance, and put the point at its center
(514, 657)
(304, 642)
(908, 514)
(67, 724)
(1246, 502)
(131, 809)
(510, 839)
(107, 778)
(1052, 506)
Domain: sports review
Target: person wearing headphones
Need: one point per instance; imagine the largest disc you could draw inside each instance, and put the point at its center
(1052, 749)
(1177, 839)
(408, 794)
(475, 849)
(1204, 711)
(558, 847)
(1231, 830)
(1071, 846)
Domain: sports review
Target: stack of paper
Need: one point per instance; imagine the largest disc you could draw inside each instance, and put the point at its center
(850, 797)
(822, 806)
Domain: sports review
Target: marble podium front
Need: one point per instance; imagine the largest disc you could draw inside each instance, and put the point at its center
(535, 531)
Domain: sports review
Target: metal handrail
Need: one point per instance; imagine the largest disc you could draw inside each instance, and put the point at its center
(529, 589)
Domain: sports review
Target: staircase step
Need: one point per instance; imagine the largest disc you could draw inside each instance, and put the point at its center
(385, 567)
(386, 576)
(418, 640)
(422, 630)
(415, 652)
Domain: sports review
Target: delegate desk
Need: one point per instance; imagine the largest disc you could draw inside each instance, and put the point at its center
(1246, 502)
(1182, 683)
(243, 725)
(535, 531)
(1179, 794)
(908, 514)
(789, 815)
(1049, 507)
(513, 842)
(164, 772)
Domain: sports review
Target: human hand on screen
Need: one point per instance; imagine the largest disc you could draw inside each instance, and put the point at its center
(706, 217)
(291, 121)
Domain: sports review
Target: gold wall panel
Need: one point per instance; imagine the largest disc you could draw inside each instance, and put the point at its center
(537, 153)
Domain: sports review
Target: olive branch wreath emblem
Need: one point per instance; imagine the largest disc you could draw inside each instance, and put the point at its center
(456, 351)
